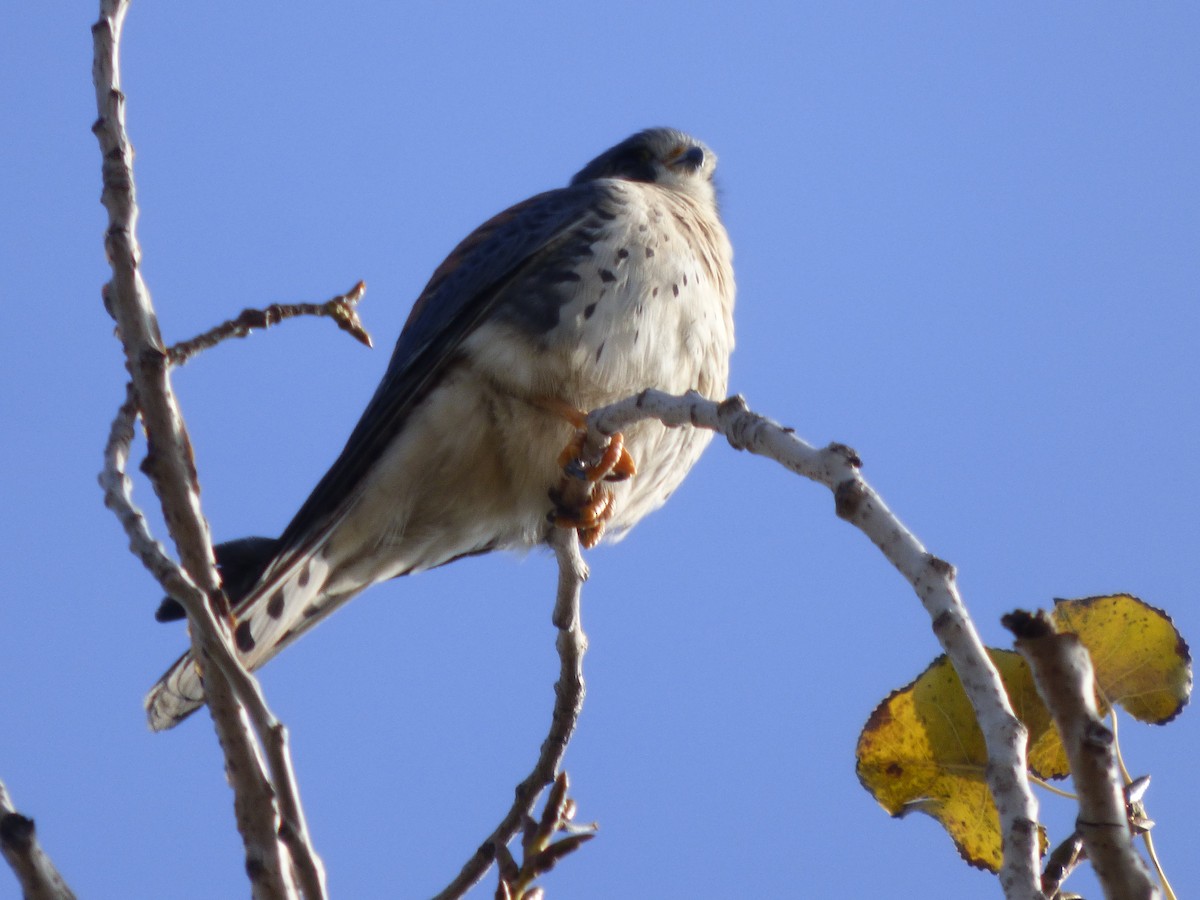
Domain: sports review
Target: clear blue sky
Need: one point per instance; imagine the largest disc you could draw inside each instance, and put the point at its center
(966, 243)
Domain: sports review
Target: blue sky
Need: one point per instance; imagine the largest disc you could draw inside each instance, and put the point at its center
(966, 243)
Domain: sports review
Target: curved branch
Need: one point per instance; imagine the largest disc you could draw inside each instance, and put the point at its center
(838, 468)
(568, 702)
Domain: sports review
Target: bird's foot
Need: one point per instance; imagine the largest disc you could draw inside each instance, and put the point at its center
(580, 500)
(615, 464)
(588, 518)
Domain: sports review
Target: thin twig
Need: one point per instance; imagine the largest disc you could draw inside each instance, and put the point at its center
(539, 850)
(1063, 860)
(340, 308)
(568, 702)
(837, 467)
(40, 880)
(1135, 789)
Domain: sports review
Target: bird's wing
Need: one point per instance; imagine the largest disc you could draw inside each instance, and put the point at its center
(518, 251)
(524, 251)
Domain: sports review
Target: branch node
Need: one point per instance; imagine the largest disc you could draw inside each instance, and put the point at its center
(1028, 626)
(941, 568)
(846, 453)
(1098, 736)
(735, 423)
(734, 405)
(848, 498)
(17, 831)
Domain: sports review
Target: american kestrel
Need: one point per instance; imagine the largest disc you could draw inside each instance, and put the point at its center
(569, 301)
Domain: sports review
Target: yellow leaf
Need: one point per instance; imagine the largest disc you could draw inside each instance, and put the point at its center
(922, 750)
(1142, 663)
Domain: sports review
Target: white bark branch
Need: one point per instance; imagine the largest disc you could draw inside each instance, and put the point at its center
(246, 767)
(39, 879)
(837, 467)
(568, 703)
(1062, 671)
(171, 468)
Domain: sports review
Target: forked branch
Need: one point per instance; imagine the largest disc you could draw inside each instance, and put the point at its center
(274, 865)
(568, 703)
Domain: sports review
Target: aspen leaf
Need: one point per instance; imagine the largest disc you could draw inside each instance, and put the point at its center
(1142, 663)
(922, 750)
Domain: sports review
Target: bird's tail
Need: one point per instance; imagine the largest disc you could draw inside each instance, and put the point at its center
(273, 605)
(176, 696)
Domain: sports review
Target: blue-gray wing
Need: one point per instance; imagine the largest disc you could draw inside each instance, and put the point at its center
(527, 251)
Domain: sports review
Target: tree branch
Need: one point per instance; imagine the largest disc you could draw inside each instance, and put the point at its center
(340, 308)
(837, 467)
(39, 878)
(1062, 671)
(246, 770)
(568, 702)
(171, 468)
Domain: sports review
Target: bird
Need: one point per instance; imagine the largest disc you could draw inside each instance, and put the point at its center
(571, 300)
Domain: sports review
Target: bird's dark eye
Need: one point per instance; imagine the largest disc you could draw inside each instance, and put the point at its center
(644, 155)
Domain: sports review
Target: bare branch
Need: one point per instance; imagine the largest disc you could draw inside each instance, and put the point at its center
(568, 702)
(39, 878)
(540, 851)
(1062, 671)
(253, 796)
(246, 771)
(837, 467)
(253, 801)
(1063, 860)
(171, 468)
(340, 309)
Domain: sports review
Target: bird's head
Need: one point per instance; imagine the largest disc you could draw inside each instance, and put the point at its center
(662, 156)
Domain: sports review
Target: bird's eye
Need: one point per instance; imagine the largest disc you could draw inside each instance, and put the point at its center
(644, 155)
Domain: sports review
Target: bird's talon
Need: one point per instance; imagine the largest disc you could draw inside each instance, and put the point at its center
(615, 464)
(570, 453)
(588, 514)
(588, 519)
(599, 508)
(595, 510)
(590, 537)
(616, 461)
(623, 467)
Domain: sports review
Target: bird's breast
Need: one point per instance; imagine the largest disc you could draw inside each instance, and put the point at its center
(643, 299)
